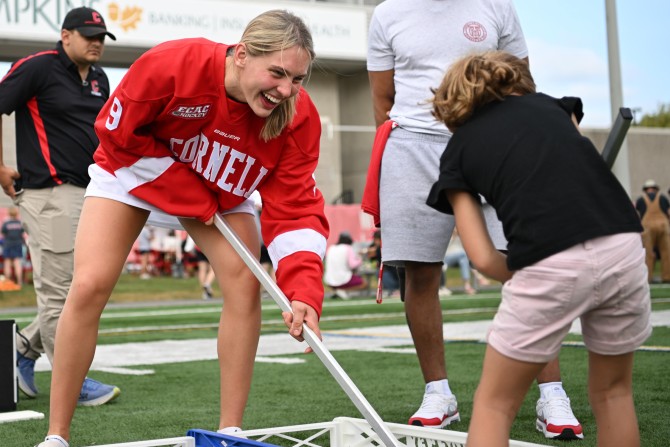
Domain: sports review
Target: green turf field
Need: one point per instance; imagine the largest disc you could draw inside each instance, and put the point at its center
(180, 396)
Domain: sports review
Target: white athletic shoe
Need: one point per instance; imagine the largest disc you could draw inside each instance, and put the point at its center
(444, 292)
(207, 293)
(53, 441)
(231, 431)
(556, 420)
(343, 294)
(437, 409)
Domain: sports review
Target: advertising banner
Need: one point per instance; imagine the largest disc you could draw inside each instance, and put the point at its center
(340, 32)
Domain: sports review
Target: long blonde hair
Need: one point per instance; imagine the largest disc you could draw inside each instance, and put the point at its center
(476, 80)
(277, 30)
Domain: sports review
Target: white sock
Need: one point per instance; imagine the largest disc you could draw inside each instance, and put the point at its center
(551, 389)
(231, 431)
(439, 386)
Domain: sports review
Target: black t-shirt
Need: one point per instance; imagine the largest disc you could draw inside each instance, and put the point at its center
(55, 113)
(548, 183)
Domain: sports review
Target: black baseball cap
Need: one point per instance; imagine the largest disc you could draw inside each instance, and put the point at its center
(87, 21)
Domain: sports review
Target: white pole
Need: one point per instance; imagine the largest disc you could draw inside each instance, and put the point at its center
(621, 168)
(345, 382)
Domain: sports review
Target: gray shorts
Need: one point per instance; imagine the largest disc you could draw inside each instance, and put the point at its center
(411, 230)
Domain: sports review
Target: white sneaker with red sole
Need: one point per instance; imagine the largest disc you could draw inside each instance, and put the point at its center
(437, 409)
(556, 420)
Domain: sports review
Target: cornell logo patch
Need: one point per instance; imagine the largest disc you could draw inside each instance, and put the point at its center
(474, 31)
(191, 112)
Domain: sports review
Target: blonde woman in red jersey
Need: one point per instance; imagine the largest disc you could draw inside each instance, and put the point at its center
(193, 129)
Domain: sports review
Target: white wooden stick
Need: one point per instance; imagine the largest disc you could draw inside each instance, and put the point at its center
(310, 337)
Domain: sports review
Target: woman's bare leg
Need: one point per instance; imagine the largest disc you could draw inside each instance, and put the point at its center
(611, 397)
(239, 327)
(502, 388)
(106, 232)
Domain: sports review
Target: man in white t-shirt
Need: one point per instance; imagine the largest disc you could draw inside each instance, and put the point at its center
(411, 45)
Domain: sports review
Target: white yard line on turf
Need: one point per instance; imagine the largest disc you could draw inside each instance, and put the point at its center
(164, 308)
(126, 355)
(357, 317)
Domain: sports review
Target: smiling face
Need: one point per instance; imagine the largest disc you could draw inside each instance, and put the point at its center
(266, 81)
(82, 50)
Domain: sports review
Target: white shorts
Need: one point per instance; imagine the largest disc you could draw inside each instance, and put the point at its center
(103, 184)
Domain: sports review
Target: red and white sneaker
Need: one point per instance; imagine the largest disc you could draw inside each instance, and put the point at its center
(556, 420)
(437, 409)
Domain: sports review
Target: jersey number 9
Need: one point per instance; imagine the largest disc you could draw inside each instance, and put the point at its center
(114, 115)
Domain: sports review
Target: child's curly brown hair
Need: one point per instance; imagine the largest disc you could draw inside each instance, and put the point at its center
(476, 80)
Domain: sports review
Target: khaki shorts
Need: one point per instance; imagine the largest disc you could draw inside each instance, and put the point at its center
(603, 282)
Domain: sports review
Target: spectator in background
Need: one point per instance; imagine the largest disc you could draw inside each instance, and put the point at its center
(456, 256)
(390, 281)
(340, 267)
(653, 208)
(205, 273)
(144, 250)
(481, 280)
(12, 246)
(173, 255)
(56, 95)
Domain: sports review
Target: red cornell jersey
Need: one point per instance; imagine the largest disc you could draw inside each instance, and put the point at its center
(173, 138)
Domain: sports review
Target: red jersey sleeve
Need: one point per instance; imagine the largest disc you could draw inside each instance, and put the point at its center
(129, 149)
(293, 221)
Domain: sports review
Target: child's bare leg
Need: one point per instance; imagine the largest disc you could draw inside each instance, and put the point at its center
(611, 397)
(502, 388)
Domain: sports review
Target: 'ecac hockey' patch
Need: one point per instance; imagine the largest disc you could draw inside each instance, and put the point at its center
(191, 112)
